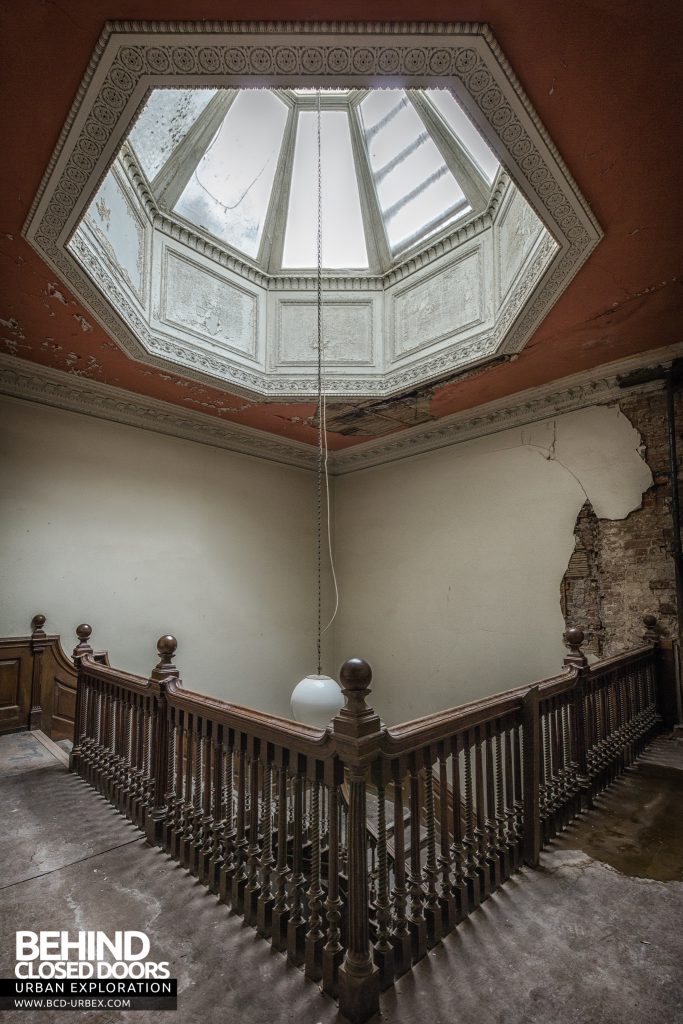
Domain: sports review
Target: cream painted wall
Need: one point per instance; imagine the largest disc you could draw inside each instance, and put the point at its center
(450, 563)
(141, 534)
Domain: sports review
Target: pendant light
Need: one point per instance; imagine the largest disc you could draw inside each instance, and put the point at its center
(317, 698)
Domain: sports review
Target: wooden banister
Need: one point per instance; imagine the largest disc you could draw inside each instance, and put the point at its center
(438, 812)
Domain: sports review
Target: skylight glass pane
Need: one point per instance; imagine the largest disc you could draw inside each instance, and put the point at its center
(166, 119)
(229, 190)
(343, 236)
(414, 186)
(461, 126)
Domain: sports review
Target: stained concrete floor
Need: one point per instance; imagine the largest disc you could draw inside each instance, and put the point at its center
(579, 941)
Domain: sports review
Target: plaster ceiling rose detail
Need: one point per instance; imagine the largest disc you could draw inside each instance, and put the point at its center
(231, 306)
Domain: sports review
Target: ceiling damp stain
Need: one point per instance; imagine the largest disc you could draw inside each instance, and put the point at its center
(54, 293)
(85, 324)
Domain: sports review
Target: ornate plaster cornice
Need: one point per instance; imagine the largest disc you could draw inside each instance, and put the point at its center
(600, 386)
(21, 379)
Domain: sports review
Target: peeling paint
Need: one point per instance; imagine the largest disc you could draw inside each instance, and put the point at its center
(85, 324)
(54, 293)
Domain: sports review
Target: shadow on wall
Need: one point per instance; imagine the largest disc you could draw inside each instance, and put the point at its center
(450, 564)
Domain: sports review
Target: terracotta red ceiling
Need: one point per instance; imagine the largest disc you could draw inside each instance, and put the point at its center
(605, 79)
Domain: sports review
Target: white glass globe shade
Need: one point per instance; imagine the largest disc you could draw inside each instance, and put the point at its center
(316, 700)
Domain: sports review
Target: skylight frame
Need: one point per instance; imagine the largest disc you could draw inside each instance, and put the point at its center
(171, 180)
(128, 61)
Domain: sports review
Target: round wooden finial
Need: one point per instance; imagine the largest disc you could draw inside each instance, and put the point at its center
(651, 627)
(83, 632)
(166, 648)
(574, 638)
(355, 675)
(37, 623)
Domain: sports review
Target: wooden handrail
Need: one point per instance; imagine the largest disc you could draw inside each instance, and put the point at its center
(253, 804)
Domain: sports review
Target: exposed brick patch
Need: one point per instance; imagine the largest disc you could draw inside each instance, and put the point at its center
(623, 568)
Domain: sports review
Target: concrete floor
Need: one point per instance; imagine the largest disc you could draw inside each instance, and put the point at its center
(593, 937)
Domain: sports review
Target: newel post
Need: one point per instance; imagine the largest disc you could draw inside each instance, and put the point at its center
(167, 676)
(576, 660)
(82, 648)
(38, 645)
(357, 729)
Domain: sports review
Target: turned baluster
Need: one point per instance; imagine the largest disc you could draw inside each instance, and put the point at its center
(239, 878)
(485, 867)
(472, 878)
(333, 950)
(194, 838)
(124, 801)
(181, 767)
(204, 843)
(280, 913)
(544, 797)
(314, 935)
(417, 925)
(229, 866)
(510, 818)
(432, 910)
(296, 926)
(555, 793)
(401, 940)
(185, 829)
(147, 761)
(171, 776)
(252, 888)
(501, 819)
(447, 901)
(383, 952)
(493, 855)
(462, 906)
(215, 859)
(265, 900)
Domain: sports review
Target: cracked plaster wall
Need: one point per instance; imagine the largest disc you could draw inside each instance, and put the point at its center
(629, 569)
(450, 564)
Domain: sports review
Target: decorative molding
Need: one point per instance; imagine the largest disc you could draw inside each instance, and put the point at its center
(599, 386)
(22, 379)
(132, 57)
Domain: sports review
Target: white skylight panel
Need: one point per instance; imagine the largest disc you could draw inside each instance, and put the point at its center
(229, 191)
(342, 223)
(164, 122)
(414, 186)
(461, 126)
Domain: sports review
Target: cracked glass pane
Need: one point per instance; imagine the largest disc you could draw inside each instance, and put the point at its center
(229, 191)
(415, 188)
(463, 129)
(166, 119)
(343, 235)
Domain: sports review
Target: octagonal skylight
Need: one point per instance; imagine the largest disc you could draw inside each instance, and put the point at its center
(398, 166)
(180, 204)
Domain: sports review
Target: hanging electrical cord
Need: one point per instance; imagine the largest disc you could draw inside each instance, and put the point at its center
(323, 454)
